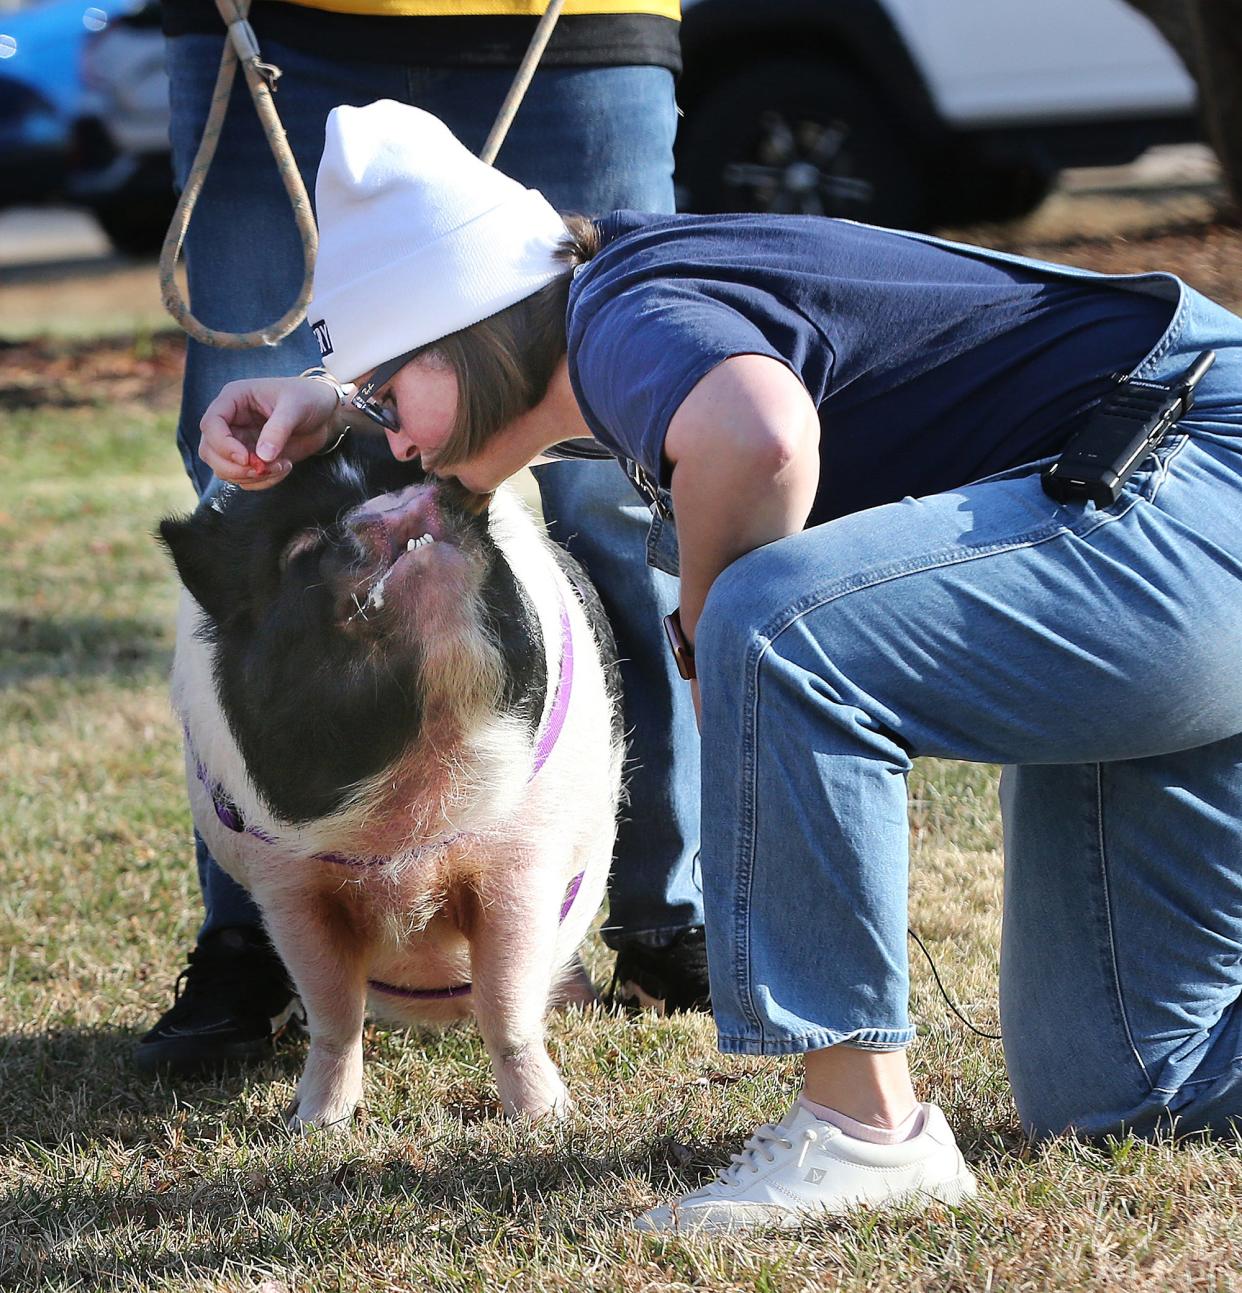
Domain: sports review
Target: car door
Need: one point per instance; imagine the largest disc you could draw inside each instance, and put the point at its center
(998, 61)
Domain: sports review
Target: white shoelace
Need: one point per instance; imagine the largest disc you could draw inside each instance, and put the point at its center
(758, 1148)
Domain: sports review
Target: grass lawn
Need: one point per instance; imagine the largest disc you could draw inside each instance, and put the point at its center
(108, 1181)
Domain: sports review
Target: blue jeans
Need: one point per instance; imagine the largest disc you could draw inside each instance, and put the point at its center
(1098, 654)
(592, 139)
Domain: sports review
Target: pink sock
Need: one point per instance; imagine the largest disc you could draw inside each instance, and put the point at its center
(906, 1130)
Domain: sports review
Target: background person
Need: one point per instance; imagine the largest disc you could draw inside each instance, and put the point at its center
(595, 131)
(850, 422)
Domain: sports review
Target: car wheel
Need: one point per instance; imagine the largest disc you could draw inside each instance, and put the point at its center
(136, 226)
(978, 188)
(802, 136)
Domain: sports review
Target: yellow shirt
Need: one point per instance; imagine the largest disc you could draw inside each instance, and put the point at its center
(455, 33)
(495, 8)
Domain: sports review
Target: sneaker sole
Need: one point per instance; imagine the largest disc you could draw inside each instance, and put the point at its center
(184, 1056)
(951, 1193)
(962, 1187)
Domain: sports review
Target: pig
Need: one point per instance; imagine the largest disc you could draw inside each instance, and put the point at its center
(402, 736)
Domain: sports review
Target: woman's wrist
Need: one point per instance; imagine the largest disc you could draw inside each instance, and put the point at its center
(342, 390)
(338, 424)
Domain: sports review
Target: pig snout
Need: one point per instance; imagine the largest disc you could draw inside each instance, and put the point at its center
(386, 526)
(419, 556)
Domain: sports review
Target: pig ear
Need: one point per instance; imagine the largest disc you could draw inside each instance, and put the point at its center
(198, 547)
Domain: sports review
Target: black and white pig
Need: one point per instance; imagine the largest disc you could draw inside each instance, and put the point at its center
(402, 737)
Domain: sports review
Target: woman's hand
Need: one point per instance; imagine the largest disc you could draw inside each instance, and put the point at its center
(255, 430)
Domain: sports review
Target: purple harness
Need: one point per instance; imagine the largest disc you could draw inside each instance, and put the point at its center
(553, 723)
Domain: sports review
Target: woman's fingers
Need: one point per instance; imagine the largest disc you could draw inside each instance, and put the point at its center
(298, 421)
(225, 456)
(254, 431)
(229, 458)
(217, 431)
(275, 472)
(251, 474)
(275, 435)
(231, 422)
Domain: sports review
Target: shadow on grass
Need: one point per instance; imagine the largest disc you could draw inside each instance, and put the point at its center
(439, 1202)
(68, 1086)
(87, 646)
(444, 1202)
(190, 1182)
(441, 1208)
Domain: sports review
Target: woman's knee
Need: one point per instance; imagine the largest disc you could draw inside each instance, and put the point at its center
(762, 598)
(1072, 1092)
(730, 620)
(1082, 1110)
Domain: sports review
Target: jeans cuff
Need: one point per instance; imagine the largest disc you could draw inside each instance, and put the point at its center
(863, 1039)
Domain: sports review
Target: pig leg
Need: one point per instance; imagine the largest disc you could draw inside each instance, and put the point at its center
(325, 955)
(512, 946)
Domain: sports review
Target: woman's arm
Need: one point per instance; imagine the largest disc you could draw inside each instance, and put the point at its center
(744, 445)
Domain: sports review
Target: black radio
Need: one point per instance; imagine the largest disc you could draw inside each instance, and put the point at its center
(1118, 435)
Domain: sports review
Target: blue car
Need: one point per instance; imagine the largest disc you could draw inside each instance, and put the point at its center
(41, 91)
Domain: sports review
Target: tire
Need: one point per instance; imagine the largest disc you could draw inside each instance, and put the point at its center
(800, 135)
(977, 189)
(135, 228)
(136, 217)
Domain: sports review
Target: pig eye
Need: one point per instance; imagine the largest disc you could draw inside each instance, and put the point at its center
(299, 545)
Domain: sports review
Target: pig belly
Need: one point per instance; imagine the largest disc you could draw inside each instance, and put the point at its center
(422, 977)
(426, 964)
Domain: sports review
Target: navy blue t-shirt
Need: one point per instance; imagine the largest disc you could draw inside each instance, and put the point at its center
(930, 367)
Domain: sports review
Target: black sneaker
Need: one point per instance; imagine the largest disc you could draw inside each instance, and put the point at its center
(663, 979)
(231, 1002)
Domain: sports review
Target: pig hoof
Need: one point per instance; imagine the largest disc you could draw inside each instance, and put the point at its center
(329, 1091)
(552, 1107)
(530, 1086)
(542, 1113)
(302, 1120)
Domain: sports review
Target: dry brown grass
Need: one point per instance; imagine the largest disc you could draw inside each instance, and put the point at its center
(111, 1182)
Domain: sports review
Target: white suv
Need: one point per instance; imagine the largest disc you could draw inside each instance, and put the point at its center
(916, 112)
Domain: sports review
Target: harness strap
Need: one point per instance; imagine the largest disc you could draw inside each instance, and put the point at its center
(554, 719)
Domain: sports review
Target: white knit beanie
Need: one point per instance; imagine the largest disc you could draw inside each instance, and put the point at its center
(417, 237)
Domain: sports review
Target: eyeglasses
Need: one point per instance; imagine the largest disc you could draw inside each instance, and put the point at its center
(363, 400)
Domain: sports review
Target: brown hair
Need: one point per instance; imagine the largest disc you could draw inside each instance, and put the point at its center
(504, 363)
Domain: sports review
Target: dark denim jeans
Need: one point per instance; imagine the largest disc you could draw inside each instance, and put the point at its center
(591, 139)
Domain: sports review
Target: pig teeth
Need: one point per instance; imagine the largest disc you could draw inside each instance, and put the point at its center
(420, 542)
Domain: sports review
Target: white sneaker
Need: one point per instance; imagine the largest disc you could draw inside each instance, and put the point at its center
(803, 1167)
